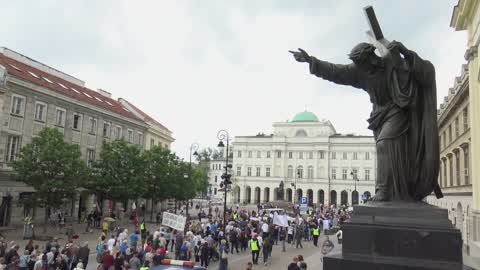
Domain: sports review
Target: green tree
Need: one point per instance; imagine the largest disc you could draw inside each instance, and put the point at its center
(200, 179)
(52, 167)
(159, 166)
(119, 173)
(205, 154)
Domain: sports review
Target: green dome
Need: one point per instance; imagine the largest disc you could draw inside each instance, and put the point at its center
(305, 117)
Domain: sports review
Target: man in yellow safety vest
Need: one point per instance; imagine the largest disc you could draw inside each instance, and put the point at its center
(255, 246)
(316, 234)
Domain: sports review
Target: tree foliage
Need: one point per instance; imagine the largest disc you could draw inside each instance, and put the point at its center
(119, 173)
(159, 171)
(52, 167)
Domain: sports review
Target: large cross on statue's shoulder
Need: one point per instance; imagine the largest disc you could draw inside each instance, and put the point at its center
(375, 34)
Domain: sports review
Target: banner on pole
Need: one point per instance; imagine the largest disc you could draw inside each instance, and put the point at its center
(281, 221)
(174, 221)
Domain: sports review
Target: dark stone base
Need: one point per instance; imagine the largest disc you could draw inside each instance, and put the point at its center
(400, 235)
(339, 262)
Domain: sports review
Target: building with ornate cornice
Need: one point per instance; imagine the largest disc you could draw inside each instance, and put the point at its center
(33, 96)
(466, 16)
(310, 158)
(455, 156)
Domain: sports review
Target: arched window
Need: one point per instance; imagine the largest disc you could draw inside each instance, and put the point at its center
(290, 172)
(301, 133)
(310, 172)
(300, 172)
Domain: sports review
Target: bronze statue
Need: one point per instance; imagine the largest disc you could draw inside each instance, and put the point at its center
(401, 86)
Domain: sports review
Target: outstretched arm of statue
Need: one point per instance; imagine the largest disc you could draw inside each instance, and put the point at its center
(337, 73)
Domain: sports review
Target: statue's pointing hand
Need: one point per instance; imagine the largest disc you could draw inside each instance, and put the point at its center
(301, 55)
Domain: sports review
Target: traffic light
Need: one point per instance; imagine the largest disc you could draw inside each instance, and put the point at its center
(226, 178)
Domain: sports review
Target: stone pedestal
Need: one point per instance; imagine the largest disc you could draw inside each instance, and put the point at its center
(394, 236)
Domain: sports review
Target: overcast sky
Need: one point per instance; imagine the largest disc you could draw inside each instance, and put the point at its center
(201, 66)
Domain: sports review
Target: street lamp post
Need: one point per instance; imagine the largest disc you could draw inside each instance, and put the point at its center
(355, 179)
(223, 135)
(193, 148)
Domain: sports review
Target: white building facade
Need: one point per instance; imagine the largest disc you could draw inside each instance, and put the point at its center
(311, 160)
(216, 169)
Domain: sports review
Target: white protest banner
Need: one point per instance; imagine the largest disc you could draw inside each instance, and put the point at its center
(174, 221)
(281, 221)
(204, 220)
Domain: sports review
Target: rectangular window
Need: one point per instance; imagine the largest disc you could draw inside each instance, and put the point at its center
(13, 148)
(290, 155)
(444, 136)
(259, 154)
(249, 171)
(258, 171)
(249, 154)
(344, 174)
(239, 154)
(310, 155)
(90, 157)
(344, 155)
(215, 191)
(117, 133)
(457, 168)
(60, 117)
(321, 154)
(465, 119)
(77, 121)
(334, 155)
(367, 155)
(130, 135)
(310, 172)
(355, 157)
(450, 166)
(140, 138)
(239, 171)
(92, 129)
(457, 128)
(279, 154)
(40, 111)
(466, 161)
(367, 174)
(106, 129)
(267, 172)
(300, 155)
(216, 179)
(268, 154)
(152, 143)
(18, 105)
(450, 133)
(445, 173)
(334, 174)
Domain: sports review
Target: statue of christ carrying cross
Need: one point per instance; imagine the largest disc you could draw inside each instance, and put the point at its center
(402, 89)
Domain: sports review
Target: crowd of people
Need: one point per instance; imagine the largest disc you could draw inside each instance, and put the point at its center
(203, 241)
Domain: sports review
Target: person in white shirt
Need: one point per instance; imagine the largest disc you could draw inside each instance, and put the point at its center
(326, 225)
(122, 236)
(265, 230)
(111, 243)
(50, 255)
(156, 234)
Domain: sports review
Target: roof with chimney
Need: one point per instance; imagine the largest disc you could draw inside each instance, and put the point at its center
(37, 73)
